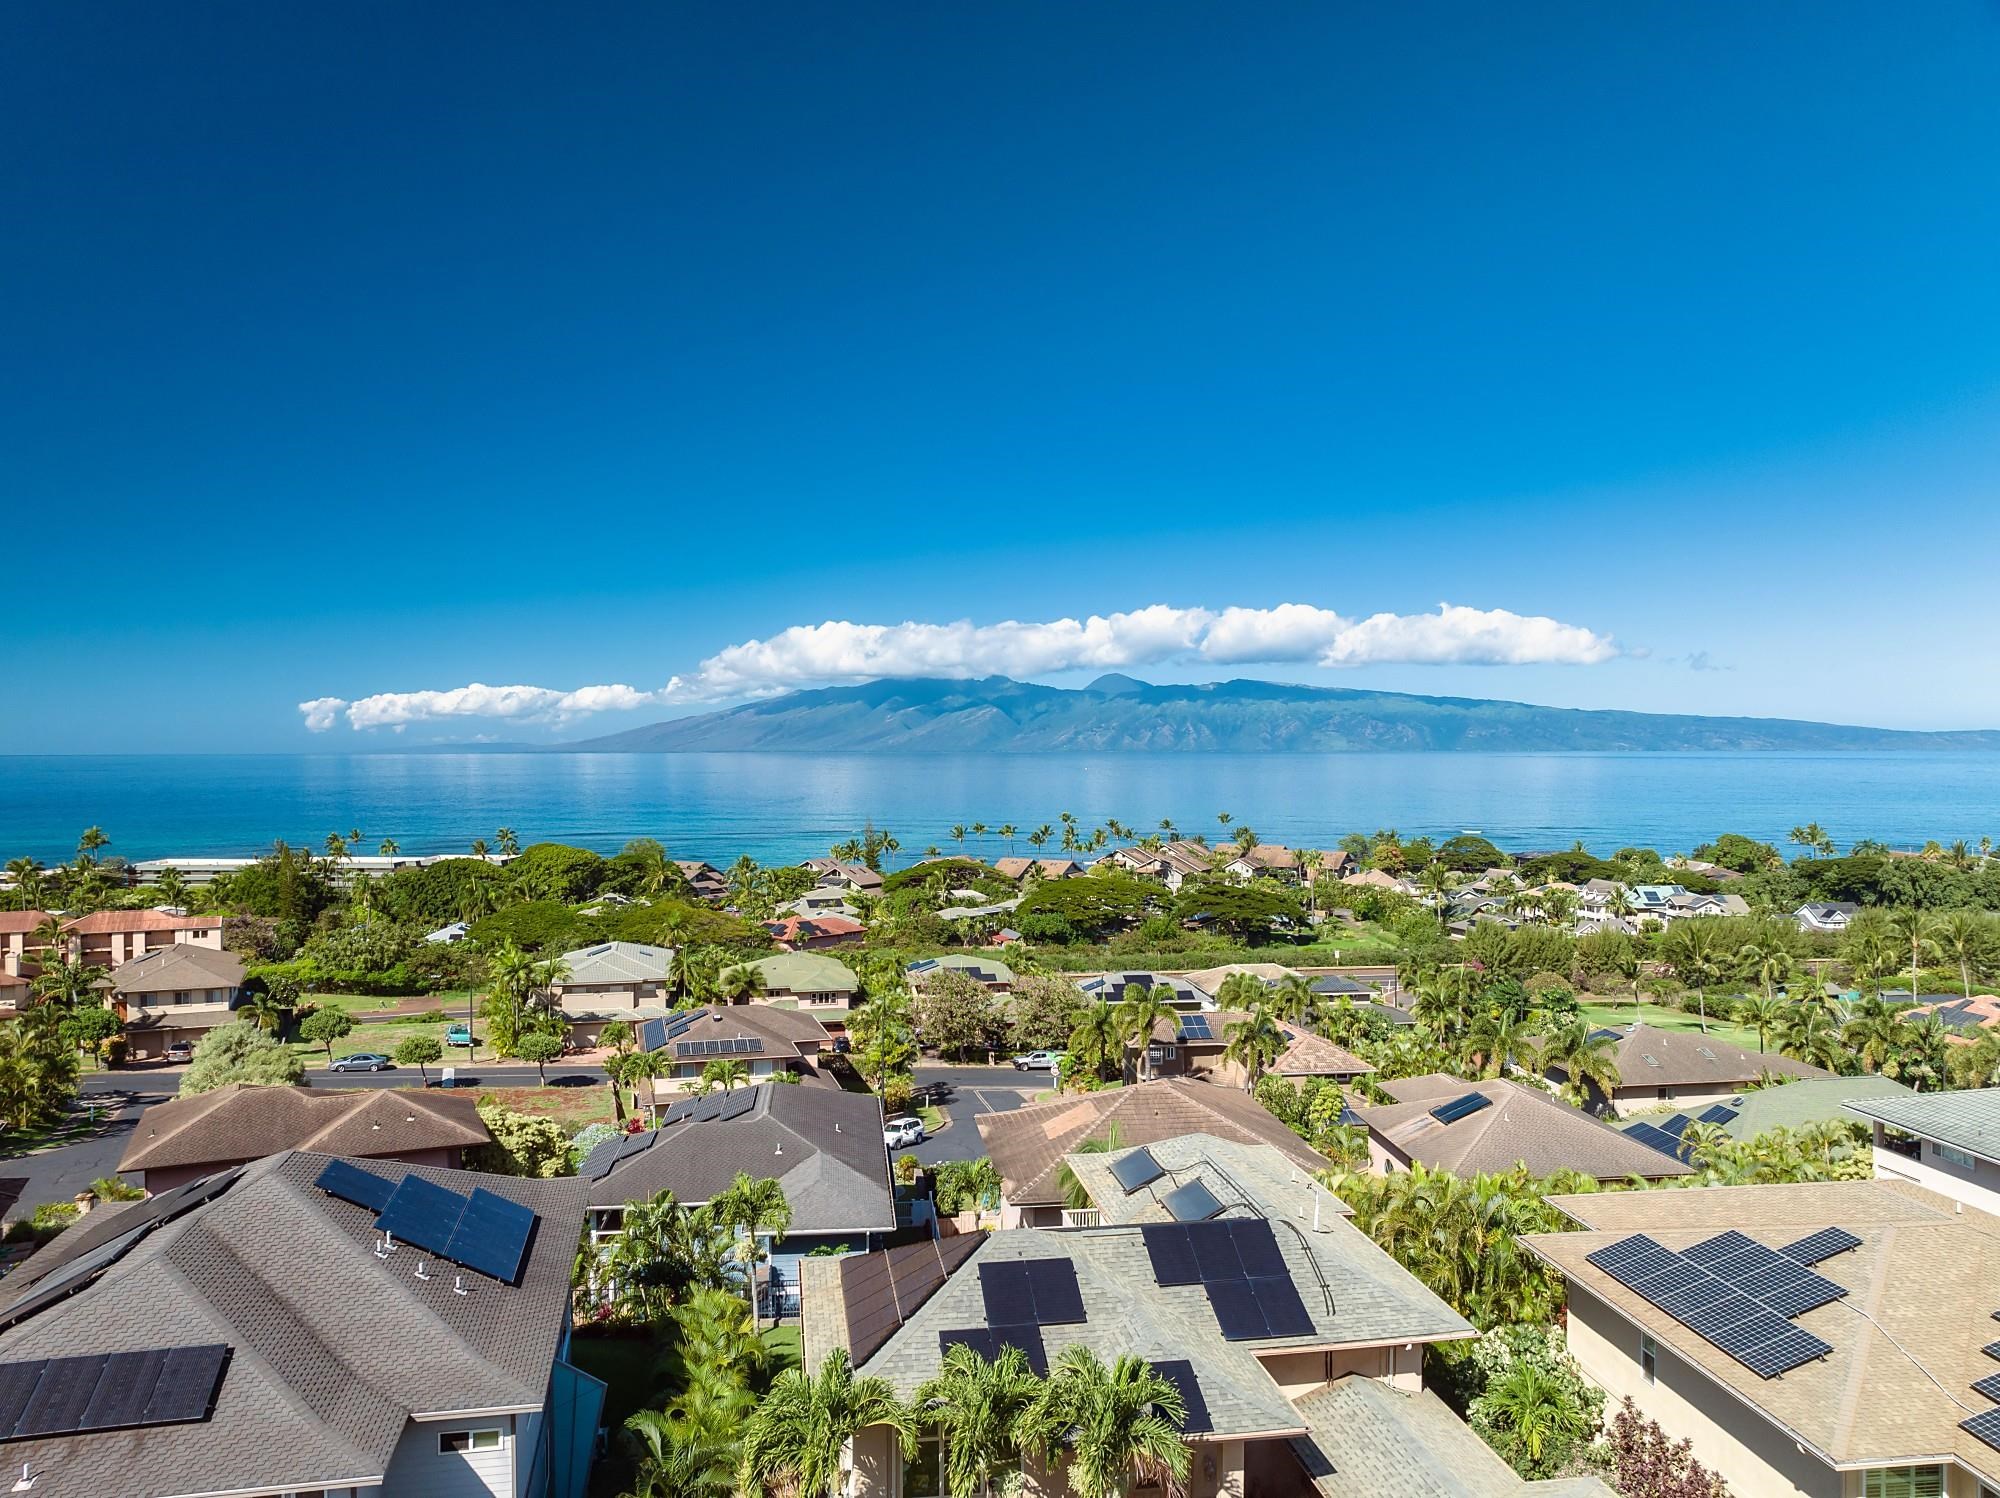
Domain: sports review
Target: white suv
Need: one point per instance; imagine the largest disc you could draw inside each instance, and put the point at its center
(1039, 1061)
(902, 1130)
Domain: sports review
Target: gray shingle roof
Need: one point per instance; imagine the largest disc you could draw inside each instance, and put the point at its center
(822, 1145)
(1519, 1125)
(618, 962)
(1968, 1120)
(332, 1349)
(1648, 1057)
(242, 1122)
(183, 966)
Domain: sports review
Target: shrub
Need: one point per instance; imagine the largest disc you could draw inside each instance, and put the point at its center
(1645, 1463)
(524, 1144)
(240, 1052)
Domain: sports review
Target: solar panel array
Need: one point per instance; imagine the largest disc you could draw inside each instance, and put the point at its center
(1817, 1247)
(655, 1033)
(1136, 1169)
(988, 1341)
(109, 1391)
(482, 1231)
(1239, 1267)
(1655, 1137)
(1196, 1027)
(1985, 1427)
(1460, 1107)
(735, 1045)
(1730, 1290)
(1031, 1292)
(715, 1107)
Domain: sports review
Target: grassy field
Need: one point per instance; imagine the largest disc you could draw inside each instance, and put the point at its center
(572, 1107)
(1661, 1017)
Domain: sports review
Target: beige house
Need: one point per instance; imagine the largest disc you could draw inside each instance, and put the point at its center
(1471, 1128)
(1304, 1383)
(811, 980)
(17, 936)
(763, 1038)
(111, 938)
(1869, 1377)
(174, 995)
(614, 980)
(1948, 1141)
(990, 973)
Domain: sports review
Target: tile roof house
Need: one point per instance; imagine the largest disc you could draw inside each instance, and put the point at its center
(110, 938)
(709, 882)
(1017, 869)
(1434, 1122)
(808, 979)
(990, 973)
(1110, 988)
(857, 878)
(822, 1145)
(17, 941)
(613, 980)
(1947, 1141)
(1881, 1354)
(1689, 1069)
(262, 1315)
(185, 1138)
(1027, 1146)
(1172, 863)
(797, 933)
(174, 995)
(1965, 1017)
(1353, 1316)
(1195, 1048)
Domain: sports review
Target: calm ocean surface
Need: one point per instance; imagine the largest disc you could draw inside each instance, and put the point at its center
(774, 806)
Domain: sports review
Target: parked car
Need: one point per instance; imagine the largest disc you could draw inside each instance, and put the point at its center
(1039, 1061)
(458, 1035)
(180, 1050)
(902, 1131)
(363, 1061)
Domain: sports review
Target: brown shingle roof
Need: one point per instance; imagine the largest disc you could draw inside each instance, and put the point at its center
(181, 966)
(21, 922)
(1520, 1125)
(242, 1122)
(1683, 1058)
(1028, 1145)
(106, 922)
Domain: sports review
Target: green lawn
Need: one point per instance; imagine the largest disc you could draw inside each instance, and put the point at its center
(785, 1346)
(1662, 1017)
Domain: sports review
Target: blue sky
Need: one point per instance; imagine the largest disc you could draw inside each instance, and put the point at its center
(380, 350)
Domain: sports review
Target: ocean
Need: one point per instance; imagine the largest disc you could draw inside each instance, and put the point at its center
(789, 806)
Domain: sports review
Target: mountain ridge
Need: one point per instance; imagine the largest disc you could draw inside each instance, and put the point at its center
(1120, 714)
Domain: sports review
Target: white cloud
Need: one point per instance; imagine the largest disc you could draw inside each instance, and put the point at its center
(839, 651)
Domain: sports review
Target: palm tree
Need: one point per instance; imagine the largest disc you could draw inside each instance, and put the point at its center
(1693, 949)
(1965, 936)
(1038, 838)
(268, 1010)
(725, 1072)
(1167, 828)
(805, 1423)
(87, 846)
(1294, 1001)
(742, 983)
(976, 1407)
(1875, 1034)
(479, 847)
(1255, 1043)
(957, 835)
(1076, 1195)
(26, 877)
(753, 1209)
(1224, 818)
(1763, 1015)
(680, 1458)
(1008, 831)
(336, 846)
(1918, 929)
(1118, 1423)
(507, 842)
(1095, 1042)
(1809, 1033)
(1142, 1012)
(389, 848)
(1586, 1056)
(1436, 881)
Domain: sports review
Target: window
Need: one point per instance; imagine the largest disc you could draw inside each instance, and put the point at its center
(469, 1440)
(923, 1474)
(1952, 1156)
(1903, 1482)
(1649, 1358)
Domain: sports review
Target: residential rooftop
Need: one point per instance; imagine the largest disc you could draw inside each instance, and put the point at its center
(1434, 1123)
(1967, 1120)
(244, 1122)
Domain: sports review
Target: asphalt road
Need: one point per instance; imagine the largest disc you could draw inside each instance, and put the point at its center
(482, 1073)
(59, 1174)
(975, 1090)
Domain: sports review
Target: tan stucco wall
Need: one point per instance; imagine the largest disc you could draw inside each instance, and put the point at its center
(1976, 1186)
(1750, 1453)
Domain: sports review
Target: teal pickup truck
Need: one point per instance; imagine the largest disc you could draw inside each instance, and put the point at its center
(459, 1035)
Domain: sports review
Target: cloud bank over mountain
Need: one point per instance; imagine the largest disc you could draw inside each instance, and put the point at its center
(839, 652)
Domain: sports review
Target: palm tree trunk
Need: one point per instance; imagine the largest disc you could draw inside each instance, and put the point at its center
(1701, 1003)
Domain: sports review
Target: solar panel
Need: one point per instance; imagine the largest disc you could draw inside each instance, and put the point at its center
(652, 1034)
(352, 1184)
(1821, 1245)
(1193, 1202)
(1180, 1373)
(1460, 1107)
(736, 1104)
(1721, 1113)
(492, 1236)
(1684, 1304)
(1714, 1320)
(1676, 1274)
(1172, 1254)
(987, 1342)
(1784, 1353)
(1631, 1260)
(422, 1214)
(1278, 1300)
(1985, 1427)
(1654, 1138)
(1714, 1250)
(1745, 1262)
(17, 1384)
(1257, 1247)
(1676, 1126)
(1236, 1310)
(60, 1398)
(1754, 1330)
(1989, 1386)
(188, 1384)
(1135, 1170)
(1004, 1288)
(1196, 1027)
(1215, 1252)
(708, 1109)
(637, 1144)
(1992, 1350)
(1790, 1289)
(124, 1391)
(1058, 1298)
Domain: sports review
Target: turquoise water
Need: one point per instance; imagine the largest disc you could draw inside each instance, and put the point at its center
(774, 806)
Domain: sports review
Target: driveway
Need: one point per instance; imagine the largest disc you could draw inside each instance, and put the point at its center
(975, 1090)
(57, 1175)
